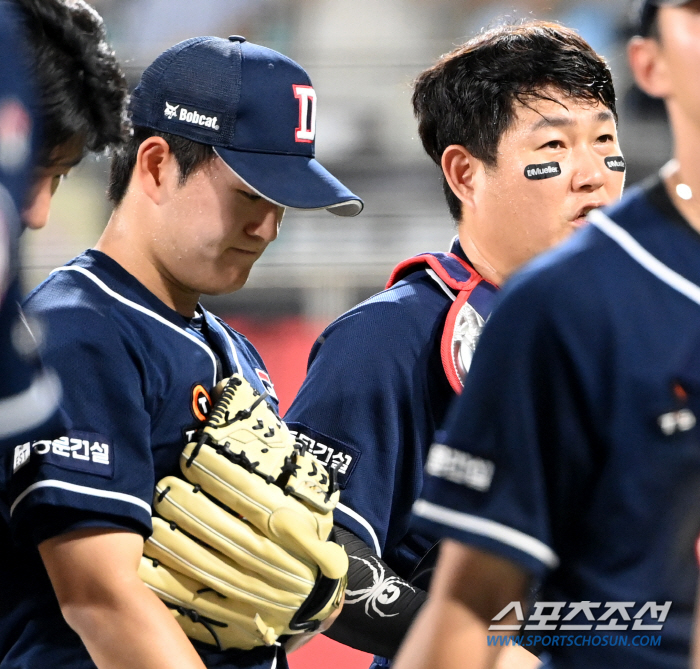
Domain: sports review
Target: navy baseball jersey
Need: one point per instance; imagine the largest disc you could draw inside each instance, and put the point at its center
(136, 378)
(574, 450)
(376, 391)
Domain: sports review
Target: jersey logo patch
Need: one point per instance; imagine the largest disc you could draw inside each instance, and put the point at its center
(265, 380)
(78, 451)
(677, 421)
(332, 453)
(460, 467)
(201, 403)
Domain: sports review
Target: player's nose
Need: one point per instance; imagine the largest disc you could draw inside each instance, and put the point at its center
(266, 222)
(36, 214)
(590, 174)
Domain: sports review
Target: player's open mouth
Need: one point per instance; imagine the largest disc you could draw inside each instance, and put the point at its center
(581, 216)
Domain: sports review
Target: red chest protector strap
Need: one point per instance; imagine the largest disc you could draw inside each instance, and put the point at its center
(463, 323)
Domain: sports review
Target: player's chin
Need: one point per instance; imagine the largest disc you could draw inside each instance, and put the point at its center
(226, 282)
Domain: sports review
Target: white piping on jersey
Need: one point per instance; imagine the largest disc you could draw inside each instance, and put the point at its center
(82, 490)
(31, 407)
(143, 310)
(441, 283)
(234, 353)
(633, 248)
(487, 528)
(356, 516)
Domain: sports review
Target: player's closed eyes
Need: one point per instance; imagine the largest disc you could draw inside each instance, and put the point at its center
(553, 144)
(253, 197)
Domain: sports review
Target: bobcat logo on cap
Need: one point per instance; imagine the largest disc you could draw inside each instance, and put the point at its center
(170, 110)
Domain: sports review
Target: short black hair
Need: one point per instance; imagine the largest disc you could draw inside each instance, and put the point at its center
(80, 87)
(188, 154)
(468, 97)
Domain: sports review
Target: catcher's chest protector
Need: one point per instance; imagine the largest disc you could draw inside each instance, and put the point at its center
(473, 299)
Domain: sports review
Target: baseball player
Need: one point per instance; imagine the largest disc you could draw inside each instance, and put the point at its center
(223, 141)
(572, 458)
(78, 104)
(381, 377)
(17, 132)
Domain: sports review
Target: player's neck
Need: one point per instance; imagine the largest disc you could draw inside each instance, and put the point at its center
(684, 190)
(485, 265)
(122, 241)
(682, 175)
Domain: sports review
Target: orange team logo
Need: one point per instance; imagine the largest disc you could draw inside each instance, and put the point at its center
(201, 402)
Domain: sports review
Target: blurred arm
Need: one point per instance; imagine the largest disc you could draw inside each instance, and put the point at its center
(121, 622)
(469, 588)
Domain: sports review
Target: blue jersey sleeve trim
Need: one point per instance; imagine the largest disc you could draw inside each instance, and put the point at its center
(359, 519)
(102, 286)
(487, 528)
(31, 408)
(633, 248)
(82, 490)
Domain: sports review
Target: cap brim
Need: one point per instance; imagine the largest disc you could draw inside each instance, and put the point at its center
(298, 182)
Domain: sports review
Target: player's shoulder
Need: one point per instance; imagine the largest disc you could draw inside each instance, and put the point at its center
(406, 317)
(589, 261)
(413, 299)
(238, 339)
(566, 280)
(77, 292)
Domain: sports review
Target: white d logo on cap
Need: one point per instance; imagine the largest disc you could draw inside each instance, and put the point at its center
(306, 132)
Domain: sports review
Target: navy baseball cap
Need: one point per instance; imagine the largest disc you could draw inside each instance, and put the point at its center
(647, 11)
(256, 107)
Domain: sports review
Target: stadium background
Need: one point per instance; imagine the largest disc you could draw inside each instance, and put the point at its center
(362, 56)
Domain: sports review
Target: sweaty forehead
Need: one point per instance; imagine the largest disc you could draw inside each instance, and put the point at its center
(534, 115)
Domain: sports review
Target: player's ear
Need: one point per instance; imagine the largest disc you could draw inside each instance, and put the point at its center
(459, 166)
(154, 167)
(649, 66)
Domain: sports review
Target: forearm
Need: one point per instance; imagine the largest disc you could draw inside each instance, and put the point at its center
(133, 630)
(446, 634)
(120, 621)
(379, 606)
(469, 588)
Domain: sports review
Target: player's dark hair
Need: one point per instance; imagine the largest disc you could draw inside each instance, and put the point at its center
(80, 88)
(188, 154)
(469, 96)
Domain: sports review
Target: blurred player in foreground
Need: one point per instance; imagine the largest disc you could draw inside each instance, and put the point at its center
(522, 121)
(78, 105)
(17, 134)
(223, 140)
(580, 417)
(79, 100)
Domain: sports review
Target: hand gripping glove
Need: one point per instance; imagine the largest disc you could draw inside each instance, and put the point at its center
(240, 550)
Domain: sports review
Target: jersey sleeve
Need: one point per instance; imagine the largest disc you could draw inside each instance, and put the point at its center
(101, 468)
(516, 452)
(363, 409)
